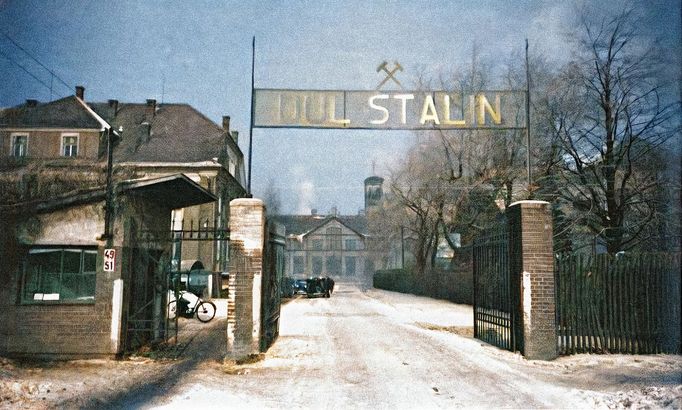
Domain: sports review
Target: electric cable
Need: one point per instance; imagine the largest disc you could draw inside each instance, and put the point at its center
(36, 60)
(27, 71)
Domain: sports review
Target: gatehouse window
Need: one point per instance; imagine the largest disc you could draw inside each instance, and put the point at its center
(351, 245)
(19, 145)
(59, 275)
(70, 145)
(334, 238)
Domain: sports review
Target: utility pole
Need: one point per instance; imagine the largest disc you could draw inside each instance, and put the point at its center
(109, 198)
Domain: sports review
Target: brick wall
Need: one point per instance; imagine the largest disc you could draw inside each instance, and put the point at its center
(532, 264)
(59, 331)
(54, 330)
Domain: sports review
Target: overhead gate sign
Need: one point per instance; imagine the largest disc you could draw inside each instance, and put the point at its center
(418, 110)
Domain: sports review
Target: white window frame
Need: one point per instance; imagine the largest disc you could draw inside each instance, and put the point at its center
(61, 144)
(12, 143)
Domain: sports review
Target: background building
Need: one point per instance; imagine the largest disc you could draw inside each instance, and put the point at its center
(332, 245)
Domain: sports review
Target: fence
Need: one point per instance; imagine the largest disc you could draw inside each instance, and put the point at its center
(624, 304)
(493, 318)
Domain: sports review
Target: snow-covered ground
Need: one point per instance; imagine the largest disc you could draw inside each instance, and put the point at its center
(358, 349)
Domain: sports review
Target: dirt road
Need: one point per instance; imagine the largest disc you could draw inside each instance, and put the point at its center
(370, 349)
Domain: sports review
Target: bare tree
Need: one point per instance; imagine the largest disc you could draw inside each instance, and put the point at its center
(451, 181)
(433, 195)
(606, 109)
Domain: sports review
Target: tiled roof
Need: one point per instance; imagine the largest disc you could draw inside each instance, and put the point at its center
(174, 133)
(303, 224)
(179, 133)
(67, 112)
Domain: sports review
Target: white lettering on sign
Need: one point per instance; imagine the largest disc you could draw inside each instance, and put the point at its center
(429, 111)
(403, 107)
(372, 105)
(109, 260)
(388, 110)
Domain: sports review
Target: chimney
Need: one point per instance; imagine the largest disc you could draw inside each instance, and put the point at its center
(80, 92)
(313, 212)
(145, 135)
(151, 109)
(113, 104)
(226, 123)
(235, 136)
(31, 103)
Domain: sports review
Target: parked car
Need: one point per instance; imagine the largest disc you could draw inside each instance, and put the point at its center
(320, 286)
(300, 287)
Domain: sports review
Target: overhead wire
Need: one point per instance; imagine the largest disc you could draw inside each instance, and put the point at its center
(36, 60)
(27, 71)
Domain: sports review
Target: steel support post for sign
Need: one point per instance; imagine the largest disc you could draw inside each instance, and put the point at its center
(530, 176)
(253, 61)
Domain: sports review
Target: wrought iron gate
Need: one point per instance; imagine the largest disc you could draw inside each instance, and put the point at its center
(494, 318)
(148, 283)
(153, 278)
(273, 272)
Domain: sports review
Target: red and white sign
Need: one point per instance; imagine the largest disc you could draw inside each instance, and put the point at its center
(109, 260)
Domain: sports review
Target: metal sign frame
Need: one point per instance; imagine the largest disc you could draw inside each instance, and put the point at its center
(430, 107)
(429, 110)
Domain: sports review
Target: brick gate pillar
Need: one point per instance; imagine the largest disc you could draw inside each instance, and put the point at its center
(532, 276)
(247, 236)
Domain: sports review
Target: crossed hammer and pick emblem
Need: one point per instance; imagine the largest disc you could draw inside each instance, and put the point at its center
(390, 74)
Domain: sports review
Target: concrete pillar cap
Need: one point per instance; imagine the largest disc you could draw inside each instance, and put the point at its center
(529, 202)
(246, 202)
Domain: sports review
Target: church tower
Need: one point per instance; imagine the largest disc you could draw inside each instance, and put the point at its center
(374, 193)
